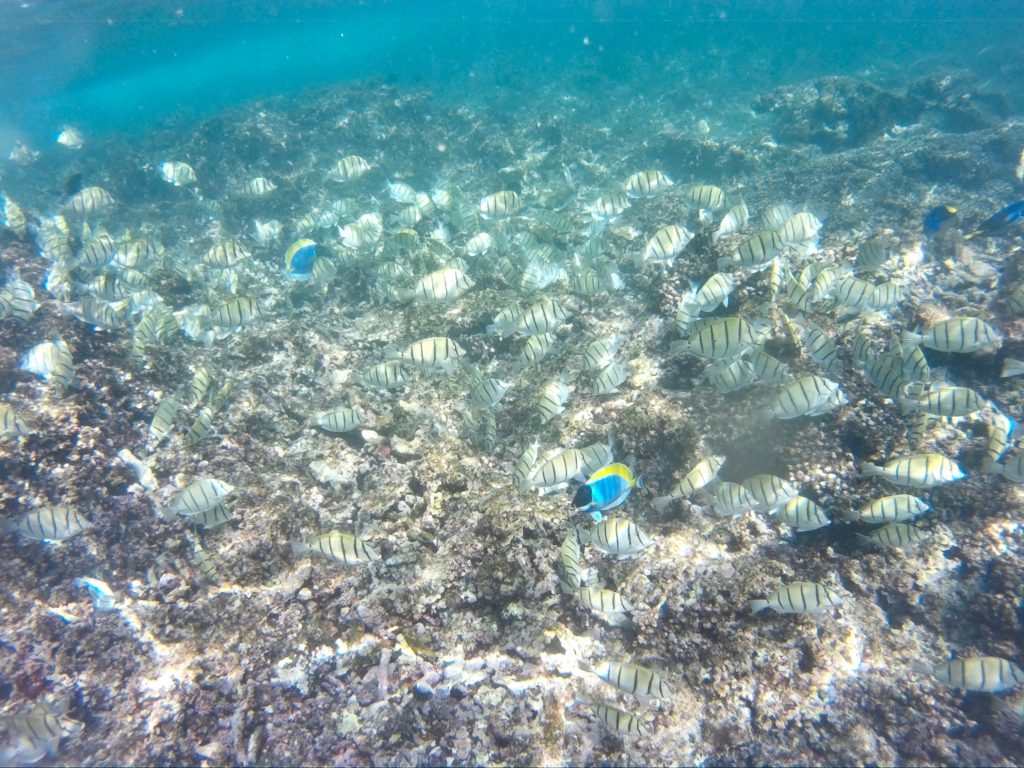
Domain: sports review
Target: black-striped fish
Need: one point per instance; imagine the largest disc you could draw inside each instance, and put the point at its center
(341, 547)
(987, 674)
(56, 523)
(798, 597)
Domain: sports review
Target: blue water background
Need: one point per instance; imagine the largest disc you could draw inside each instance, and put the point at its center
(129, 67)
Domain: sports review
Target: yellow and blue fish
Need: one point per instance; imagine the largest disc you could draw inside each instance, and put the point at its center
(299, 258)
(606, 489)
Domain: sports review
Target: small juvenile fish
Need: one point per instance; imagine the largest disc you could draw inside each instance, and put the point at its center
(606, 489)
(488, 393)
(776, 215)
(201, 495)
(667, 243)
(801, 232)
(889, 509)
(703, 473)
(103, 598)
(524, 466)
(543, 317)
(610, 379)
(339, 419)
(893, 535)
(723, 338)
(770, 491)
(922, 470)
(335, 545)
(604, 601)
(163, 420)
(212, 518)
(535, 348)
(597, 455)
(803, 515)
(733, 221)
(570, 561)
(754, 252)
(949, 402)
(202, 427)
(957, 334)
(235, 313)
(51, 524)
(914, 365)
(632, 678)
(618, 721)
(798, 597)
(872, 254)
(350, 168)
(443, 285)
(387, 374)
(11, 424)
(821, 348)
(600, 352)
(204, 564)
(705, 196)
(177, 173)
(52, 360)
(768, 369)
(987, 674)
(564, 466)
(1000, 428)
(502, 203)
(90, 200)
(729, 377)
(505, 322)
(257, 187)
(715, 292)
(70, 137)
(732, 499)
(226, 253)
(608, 206)
(552, 401)
(806, 396)
(616, 536)
(433, 353)
(646, 183)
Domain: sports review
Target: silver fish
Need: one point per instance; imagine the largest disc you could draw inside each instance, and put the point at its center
(341, 547)
(338, 419)
(798, 597)
(988, 674)
(56, 523)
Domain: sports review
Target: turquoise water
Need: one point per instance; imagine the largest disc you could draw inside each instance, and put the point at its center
(125, 68)
(383, 283)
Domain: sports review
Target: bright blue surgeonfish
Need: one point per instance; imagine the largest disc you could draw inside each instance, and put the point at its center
(298, 260)
(606, 489)
(997, 222)
(938, 218)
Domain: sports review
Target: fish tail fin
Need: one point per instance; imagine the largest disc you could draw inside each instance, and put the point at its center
(863, 540)
(907, 406)
(1012, 367)
(922, 668)
(662, 502)
(299, 548)
(910, 337)
(756, 606)
(992, 467)
(867, 469)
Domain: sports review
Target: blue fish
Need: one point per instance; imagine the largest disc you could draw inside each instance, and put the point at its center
(996, 223)
(606, 489)
(938, 218)
(298, 260)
